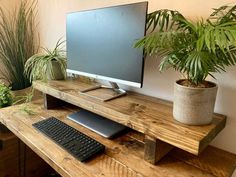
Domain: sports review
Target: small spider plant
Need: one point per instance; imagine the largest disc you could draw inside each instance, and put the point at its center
(48, 65)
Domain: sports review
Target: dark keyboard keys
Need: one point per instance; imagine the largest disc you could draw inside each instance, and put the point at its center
(78, 144)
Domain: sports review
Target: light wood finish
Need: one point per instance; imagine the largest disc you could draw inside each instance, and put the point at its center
(145, 114)
(123, 156)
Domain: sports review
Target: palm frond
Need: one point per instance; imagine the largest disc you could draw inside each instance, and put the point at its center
(163, 19)
(223, 14)
(197, 49)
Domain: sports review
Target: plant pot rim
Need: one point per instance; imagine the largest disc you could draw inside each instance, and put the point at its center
(195, 88)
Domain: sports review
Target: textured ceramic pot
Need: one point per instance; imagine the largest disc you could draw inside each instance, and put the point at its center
(194, 106)
(57, 72)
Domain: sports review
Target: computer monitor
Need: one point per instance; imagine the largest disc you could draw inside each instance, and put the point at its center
(100, 43)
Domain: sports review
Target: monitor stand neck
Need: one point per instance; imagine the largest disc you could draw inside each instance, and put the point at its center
(118, 92)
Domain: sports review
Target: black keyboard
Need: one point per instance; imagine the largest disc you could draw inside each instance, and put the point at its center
(76, 143)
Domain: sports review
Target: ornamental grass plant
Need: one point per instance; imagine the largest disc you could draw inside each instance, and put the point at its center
(18, 41)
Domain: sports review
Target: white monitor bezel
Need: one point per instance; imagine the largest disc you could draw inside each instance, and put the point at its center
(96, 76)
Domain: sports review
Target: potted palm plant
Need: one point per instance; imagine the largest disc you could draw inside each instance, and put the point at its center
(50, 65)
(197, 49)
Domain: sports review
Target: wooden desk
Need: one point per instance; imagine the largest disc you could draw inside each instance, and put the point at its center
(148, 115)
(123, 156)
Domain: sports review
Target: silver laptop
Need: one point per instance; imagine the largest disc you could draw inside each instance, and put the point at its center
(103, 126)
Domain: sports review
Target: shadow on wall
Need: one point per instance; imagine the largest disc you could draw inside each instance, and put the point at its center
(225, 104)
(155, 83)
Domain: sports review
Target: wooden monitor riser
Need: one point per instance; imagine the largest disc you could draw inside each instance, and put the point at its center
(148, 115)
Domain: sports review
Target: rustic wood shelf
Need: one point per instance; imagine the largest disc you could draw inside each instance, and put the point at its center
(123, 156)
(148, 115)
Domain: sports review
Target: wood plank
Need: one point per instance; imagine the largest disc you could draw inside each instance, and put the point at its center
(130, 152)
(51, 102)
(155, 149)
(150, 149)
(35, 166)
(65, 165)
(212, 160)
(216, 161)
(4, 137)
(212, 134)
(145, 114)
(18, 160)
(9, 158)
(123, 155)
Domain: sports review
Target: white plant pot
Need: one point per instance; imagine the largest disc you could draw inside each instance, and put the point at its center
(194, 106)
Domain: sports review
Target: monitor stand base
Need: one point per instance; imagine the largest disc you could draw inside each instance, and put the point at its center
(117, 92)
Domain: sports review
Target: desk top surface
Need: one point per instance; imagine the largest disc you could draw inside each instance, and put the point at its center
(123, 156)
(145, 114)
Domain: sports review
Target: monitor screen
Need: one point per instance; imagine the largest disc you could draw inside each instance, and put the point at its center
(100, 43)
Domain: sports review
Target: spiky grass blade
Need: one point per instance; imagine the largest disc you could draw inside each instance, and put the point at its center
(18, 41)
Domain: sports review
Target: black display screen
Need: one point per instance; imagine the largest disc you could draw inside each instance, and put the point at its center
(100, 42)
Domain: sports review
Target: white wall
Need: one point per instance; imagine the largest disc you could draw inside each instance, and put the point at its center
(52, 15)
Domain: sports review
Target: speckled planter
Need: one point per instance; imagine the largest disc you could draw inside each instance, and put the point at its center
(194, 106)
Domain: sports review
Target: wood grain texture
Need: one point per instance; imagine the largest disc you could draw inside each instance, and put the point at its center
(150, 149)
(145, 114)
(155, 149)
(123, 156)
(211, 159)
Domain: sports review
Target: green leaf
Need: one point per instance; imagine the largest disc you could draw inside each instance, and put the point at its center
(18, 41)
(197, 49)
(39, 66)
